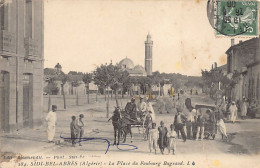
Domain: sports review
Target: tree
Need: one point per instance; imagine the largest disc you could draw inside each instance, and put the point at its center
(118, 76)
(127, 83)
(50, 88)
(103, 80)
(156, 79)
(75, 82)
(64, 78)
(215, 80)
(87, 78)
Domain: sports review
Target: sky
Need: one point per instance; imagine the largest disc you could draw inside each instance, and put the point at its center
(82, 35)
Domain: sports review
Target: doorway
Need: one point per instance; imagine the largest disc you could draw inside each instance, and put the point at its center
(4, 100)
(27, 100)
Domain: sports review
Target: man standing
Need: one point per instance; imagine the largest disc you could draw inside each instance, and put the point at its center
(200, 122)
(51, 119)
(80, 126)
(179, 122)
(150, 110)
(233, 112)
(142, 107)
(244, 108)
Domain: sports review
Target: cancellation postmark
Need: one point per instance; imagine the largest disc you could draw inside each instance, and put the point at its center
(233, 18)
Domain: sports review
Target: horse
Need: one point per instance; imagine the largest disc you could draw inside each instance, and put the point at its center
(122, 126)
(126, 127)
(117, 124)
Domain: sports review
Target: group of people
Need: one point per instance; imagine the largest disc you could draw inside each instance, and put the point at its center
(231, 109)
(189, 123)
(162, 137)
(139, 110)
(76, 126)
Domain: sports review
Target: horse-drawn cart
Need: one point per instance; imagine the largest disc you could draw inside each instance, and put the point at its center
(123, 123)
(136, 122)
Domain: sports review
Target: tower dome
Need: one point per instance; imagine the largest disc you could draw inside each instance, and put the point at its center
(127, 63)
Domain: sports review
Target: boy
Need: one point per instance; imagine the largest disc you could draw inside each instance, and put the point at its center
(153, 137)
(172, 143)
(80, 127)
(73, 130)
(162, 140)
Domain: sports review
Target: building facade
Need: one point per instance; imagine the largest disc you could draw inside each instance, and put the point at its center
(21, 64)
(148, 55)
(244, 59)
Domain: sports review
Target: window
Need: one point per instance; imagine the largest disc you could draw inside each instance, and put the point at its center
(28, 18)
(4, 15)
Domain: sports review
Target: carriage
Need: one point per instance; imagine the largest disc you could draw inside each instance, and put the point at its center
(209, 115)
(135, 122)
(123, 123)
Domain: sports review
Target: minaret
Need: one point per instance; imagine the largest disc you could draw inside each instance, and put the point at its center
(148, 55)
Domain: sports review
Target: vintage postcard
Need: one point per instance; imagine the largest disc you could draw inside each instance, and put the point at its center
(120, 83)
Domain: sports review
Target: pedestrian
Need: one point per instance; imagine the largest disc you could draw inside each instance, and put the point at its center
(222, 128)
(148, 123)
(223, 108)
(73, 130)
(190, 114)
(162, 140)
(142, 107)
(200, 127)
(153, 137)
(51, 119)
(80, 127)
(179, 122)
(172, 140)
(211, 123)
(233, 112)
(149, 108)
(244, 108)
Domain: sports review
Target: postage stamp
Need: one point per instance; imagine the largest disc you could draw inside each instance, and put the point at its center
(235, 18)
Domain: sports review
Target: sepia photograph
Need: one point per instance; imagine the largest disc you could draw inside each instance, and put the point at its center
(121, 83)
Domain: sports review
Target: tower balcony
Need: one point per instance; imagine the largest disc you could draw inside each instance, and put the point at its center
(7, 43)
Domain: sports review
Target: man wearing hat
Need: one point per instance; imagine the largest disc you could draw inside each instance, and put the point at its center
(130, 109)
(80, 127)
(51, 119)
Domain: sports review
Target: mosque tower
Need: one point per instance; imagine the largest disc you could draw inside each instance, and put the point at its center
(148, 55)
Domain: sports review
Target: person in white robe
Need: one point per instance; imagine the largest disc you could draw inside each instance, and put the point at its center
(244, 108)
(172, 140)
(150, 109)
(142, 108)
(233, 112)
(222, 128)
(51, 119)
